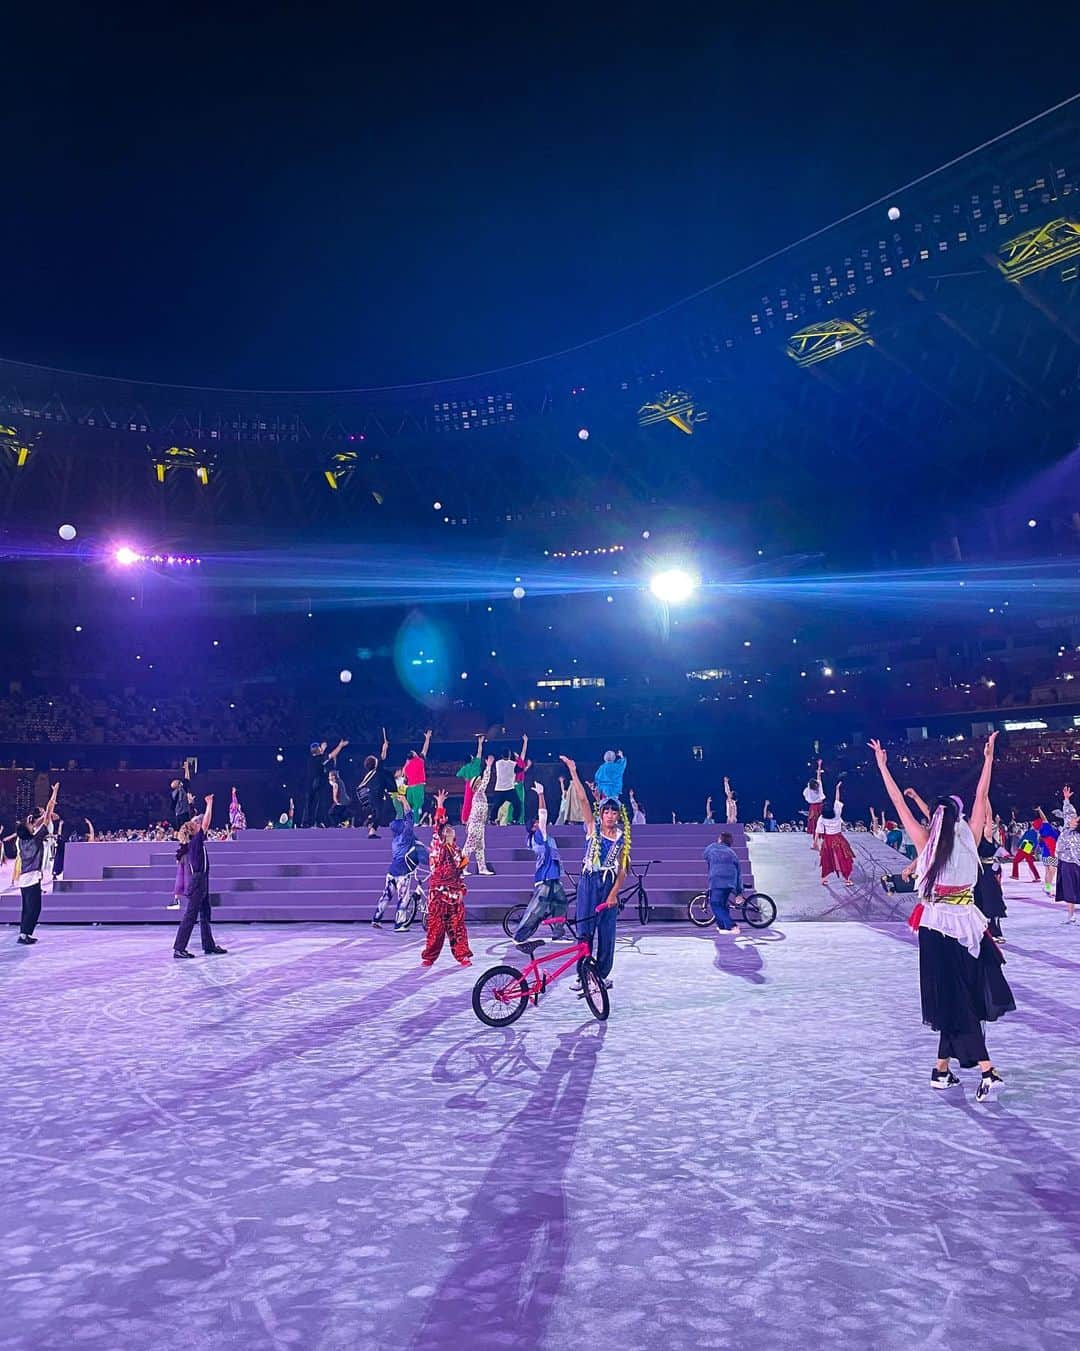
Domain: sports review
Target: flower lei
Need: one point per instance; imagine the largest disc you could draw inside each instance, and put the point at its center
(592, 863)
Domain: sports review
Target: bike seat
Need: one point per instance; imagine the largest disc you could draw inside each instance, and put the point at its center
(530, 945)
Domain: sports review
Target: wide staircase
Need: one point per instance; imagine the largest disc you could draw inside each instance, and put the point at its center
(339, 875)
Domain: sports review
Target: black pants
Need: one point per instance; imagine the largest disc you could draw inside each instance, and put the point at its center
(341, 815)
(314, 812)
(196, 907)
(58, 857)
(500, 796)
(31, 909)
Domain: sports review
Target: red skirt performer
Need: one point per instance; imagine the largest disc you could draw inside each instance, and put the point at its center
(446, 892)
(836, 855)
(814, 797)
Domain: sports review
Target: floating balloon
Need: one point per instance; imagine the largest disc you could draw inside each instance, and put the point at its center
(894, 213)
(67, 532)
(344, 677)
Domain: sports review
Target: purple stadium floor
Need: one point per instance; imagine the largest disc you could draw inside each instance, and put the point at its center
(312, 1144)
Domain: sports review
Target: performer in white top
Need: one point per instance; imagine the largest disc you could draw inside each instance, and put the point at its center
(836, 855)
(731, 807)
(961, 979)
(813, 796)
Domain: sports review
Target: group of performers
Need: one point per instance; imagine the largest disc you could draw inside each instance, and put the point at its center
(604, 870)
(956, 872)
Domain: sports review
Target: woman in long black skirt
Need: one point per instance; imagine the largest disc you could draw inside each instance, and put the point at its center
(961, 979)
(988, 894)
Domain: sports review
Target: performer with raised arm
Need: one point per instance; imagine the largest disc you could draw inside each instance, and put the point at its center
(478, 819)
(373, 789)
(404, 860)
(609, 775)
(468, 771)
(521, 768)
(814, 797)
(1068, 857)
(180, 798)
(30, 860)
(603, 871)
(193, 884)
(237, 819)
(836, 854)
(319, 765)
(415, 771)
(731, 807)
(504, 791)
(446, 892)
(961, 978)
(988, 894)
(548, 898)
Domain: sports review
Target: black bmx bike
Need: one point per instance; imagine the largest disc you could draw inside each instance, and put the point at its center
(632, 892)
(757, 909)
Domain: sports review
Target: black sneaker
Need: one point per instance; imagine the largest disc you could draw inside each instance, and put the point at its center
(943, 1079)
(26, 939)
(988, 1085)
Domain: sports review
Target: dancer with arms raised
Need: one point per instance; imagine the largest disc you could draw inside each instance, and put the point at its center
(961, 979)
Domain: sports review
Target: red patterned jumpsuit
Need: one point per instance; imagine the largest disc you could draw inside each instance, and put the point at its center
(446, 899)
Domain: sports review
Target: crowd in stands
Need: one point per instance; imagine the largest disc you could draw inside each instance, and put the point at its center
(129, 718)
(1031, 767)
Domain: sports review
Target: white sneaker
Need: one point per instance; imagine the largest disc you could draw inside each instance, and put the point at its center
(577, 987)
(173, 905)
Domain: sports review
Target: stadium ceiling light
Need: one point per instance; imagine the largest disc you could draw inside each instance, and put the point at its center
(673, 586)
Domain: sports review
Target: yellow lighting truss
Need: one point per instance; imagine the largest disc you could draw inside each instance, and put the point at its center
(1037, 249)
(830, 338)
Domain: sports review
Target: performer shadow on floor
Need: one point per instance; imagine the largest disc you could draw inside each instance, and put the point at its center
(739, 959)
(515, 1238)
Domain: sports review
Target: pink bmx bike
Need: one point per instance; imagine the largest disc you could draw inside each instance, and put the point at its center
(502, 993)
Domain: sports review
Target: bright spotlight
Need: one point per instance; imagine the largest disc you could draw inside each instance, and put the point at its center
(673, 586)
(1032, 524)
(125, 556)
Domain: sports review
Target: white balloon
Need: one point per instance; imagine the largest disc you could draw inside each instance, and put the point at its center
(345, 677)
(894, 213)
(67, 532)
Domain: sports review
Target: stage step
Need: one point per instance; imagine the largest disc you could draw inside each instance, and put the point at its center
(339, 875)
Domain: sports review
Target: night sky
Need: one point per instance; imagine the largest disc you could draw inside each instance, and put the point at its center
(289, 199)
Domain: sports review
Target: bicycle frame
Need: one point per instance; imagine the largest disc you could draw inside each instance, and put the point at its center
(537, 981)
